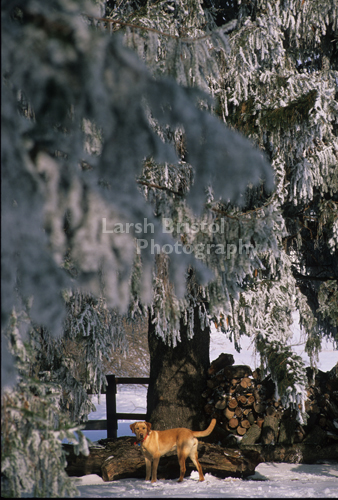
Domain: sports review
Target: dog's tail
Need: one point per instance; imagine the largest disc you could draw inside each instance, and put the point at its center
(207, 431)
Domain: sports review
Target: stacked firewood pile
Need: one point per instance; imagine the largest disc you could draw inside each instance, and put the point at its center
(322, 405)
(246, 409)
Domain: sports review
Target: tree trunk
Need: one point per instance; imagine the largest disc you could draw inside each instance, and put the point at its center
(178, 377)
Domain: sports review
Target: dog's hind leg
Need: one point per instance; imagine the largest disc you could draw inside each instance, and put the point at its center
(194, 457)
(182, 454)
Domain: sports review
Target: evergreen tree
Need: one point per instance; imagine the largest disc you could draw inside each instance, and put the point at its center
(80, 113)
(275, 80)
(59, 74)
(33, 426)
(76, 360)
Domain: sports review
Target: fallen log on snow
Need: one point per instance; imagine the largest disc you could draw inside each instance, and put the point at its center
(120, 459)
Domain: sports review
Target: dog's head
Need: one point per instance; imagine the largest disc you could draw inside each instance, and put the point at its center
(141, 429)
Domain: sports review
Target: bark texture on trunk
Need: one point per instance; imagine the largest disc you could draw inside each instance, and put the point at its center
(177, 379)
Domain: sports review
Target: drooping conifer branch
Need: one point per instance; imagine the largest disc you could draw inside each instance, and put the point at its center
(225, 29)
(155, 186)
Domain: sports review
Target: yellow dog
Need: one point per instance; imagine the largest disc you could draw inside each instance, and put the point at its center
(154, 444)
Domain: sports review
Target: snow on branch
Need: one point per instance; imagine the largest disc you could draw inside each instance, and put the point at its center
(78, 74)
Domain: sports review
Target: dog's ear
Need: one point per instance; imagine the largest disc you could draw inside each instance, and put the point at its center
(148, 424)
(132, 427)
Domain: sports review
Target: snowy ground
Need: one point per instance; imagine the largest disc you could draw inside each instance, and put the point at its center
(271, 480)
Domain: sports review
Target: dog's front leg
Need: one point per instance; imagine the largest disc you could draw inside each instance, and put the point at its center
(156, 460)
(148, 468)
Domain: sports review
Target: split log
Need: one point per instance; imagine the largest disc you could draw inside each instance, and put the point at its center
(231, 430)
(245, 383)
(120, 458)
(221, 404)
(251, 399)
(259, 408)
(242, 400)
(228, 413)
(270, 430)
(241, 430)
(233, 423)
(252, 435)
(250, 416)
(238, 412)
(232, 403)
(257, 394)
(245, 423)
